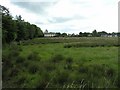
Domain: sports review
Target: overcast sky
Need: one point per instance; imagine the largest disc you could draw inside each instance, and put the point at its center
(70, 16)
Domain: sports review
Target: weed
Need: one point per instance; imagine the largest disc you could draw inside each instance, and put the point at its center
(33, 68)
(34, 56)
(57, 58)
(69, 60)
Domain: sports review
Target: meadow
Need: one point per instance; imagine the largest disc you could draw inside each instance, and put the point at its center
(61, 62)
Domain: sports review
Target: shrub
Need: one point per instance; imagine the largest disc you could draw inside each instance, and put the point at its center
(13, 53)
(48, 66)
(21, 79)
(69, 60)
(41, 81)
(57, 58)
(83, 69)
(20, 59)
(15, 47)
(6, 61)
(14, 71)
(67, 46)
(95, 70)
(61, 77)
(33, 68)
(34, 56)
(68, 66)
(109, 72)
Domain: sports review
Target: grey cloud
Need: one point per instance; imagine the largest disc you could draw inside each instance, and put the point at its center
(62, 30)
(65, 19)
(34, 7)
(33, 0)
(82, 3)
(39, 23)
(58, 20)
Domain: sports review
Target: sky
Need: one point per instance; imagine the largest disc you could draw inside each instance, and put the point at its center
(70, 16)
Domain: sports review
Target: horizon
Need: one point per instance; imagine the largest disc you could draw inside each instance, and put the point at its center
(69, 16)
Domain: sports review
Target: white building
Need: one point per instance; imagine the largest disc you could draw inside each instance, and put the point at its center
(49, 34)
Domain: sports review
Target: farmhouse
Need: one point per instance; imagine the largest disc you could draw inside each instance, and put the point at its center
(49, 34)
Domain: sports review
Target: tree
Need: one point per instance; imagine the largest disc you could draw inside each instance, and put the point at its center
(73, 35)
(85, 34)
(64, 34)
(80, 34)
(58, 34)
(102, 33)
(4, 10)
(8, 27)
(19, 18)
(94, 33)
(17, 29)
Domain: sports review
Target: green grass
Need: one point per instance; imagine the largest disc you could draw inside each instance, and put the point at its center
(83, 53)
(110, 40)
(43, 63)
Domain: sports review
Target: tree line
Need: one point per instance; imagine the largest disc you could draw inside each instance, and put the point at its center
(17, 29)
(88, 34)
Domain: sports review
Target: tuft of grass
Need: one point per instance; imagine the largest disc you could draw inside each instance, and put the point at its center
(33, 68)
(61, 77)
(57, 58)
(34, 56)
(69, 60)
(20, 59)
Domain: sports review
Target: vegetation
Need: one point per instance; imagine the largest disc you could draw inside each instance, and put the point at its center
(17, 29)
(50, 65)
(58, 62)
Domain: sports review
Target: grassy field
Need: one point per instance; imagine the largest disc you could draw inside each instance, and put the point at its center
(62, 63)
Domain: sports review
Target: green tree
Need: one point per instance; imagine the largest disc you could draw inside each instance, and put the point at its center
(64, 34)
(58, 34)
(102, 33)
(40, 32)
(94, 33)
(8, 26)
(80, 34)
(17, 29)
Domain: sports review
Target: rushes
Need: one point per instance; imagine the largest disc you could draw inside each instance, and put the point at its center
(52, 66)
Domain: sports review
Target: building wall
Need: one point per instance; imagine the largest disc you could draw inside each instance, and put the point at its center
(49, 35)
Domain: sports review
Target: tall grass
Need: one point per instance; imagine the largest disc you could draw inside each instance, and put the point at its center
(53, 66)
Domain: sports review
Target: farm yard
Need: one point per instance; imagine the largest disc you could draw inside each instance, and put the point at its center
(62, 62)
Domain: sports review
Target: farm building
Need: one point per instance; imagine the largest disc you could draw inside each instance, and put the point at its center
(49, 34)
(109, 35)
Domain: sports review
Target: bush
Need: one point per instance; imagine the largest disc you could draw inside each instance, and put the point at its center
(34, 56)
(14, 71)
(21, 79)
(48, 66)
(109, 72)
(57, 58)
(67, 46)
(33, 68)
(41, 81)
(61, 77)
(6, 61)
(69, 60)
(15, 47)
(20, 59)
(14, 53)
(95, 70)
(83, 69)
(68, 66)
